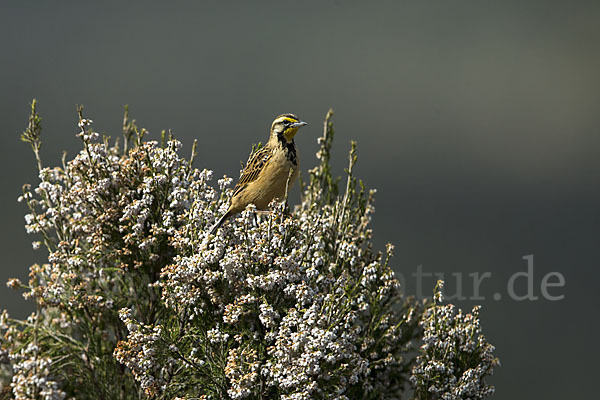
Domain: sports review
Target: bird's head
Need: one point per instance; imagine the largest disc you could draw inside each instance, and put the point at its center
(286, 126)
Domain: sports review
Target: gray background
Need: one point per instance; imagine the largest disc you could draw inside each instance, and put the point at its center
(477, 121)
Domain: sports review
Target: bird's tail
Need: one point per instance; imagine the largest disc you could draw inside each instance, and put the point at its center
(216, 226)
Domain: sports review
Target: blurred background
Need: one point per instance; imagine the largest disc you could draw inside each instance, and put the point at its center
(477, 122)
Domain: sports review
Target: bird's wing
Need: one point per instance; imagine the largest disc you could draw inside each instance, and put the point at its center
(254, 166)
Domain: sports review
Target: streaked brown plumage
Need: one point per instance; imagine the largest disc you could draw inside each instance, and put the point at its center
(265, 176)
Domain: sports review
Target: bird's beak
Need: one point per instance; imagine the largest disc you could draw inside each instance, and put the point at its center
(298, 124)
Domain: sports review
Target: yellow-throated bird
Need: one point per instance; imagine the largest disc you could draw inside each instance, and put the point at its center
(266, 174)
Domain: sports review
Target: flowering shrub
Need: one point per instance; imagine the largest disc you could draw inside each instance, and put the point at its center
(139, 300)
(455, 356)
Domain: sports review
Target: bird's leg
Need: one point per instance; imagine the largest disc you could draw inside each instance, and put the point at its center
(259, 212)
(286, 206)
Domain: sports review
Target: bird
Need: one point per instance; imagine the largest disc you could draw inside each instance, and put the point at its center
(266, 174)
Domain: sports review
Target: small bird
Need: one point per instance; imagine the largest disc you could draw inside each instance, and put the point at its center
(266, 174)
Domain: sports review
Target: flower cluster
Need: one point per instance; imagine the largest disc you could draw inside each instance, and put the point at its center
(32, 377)
(455, 356)
(139, 299)
(139, 352)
